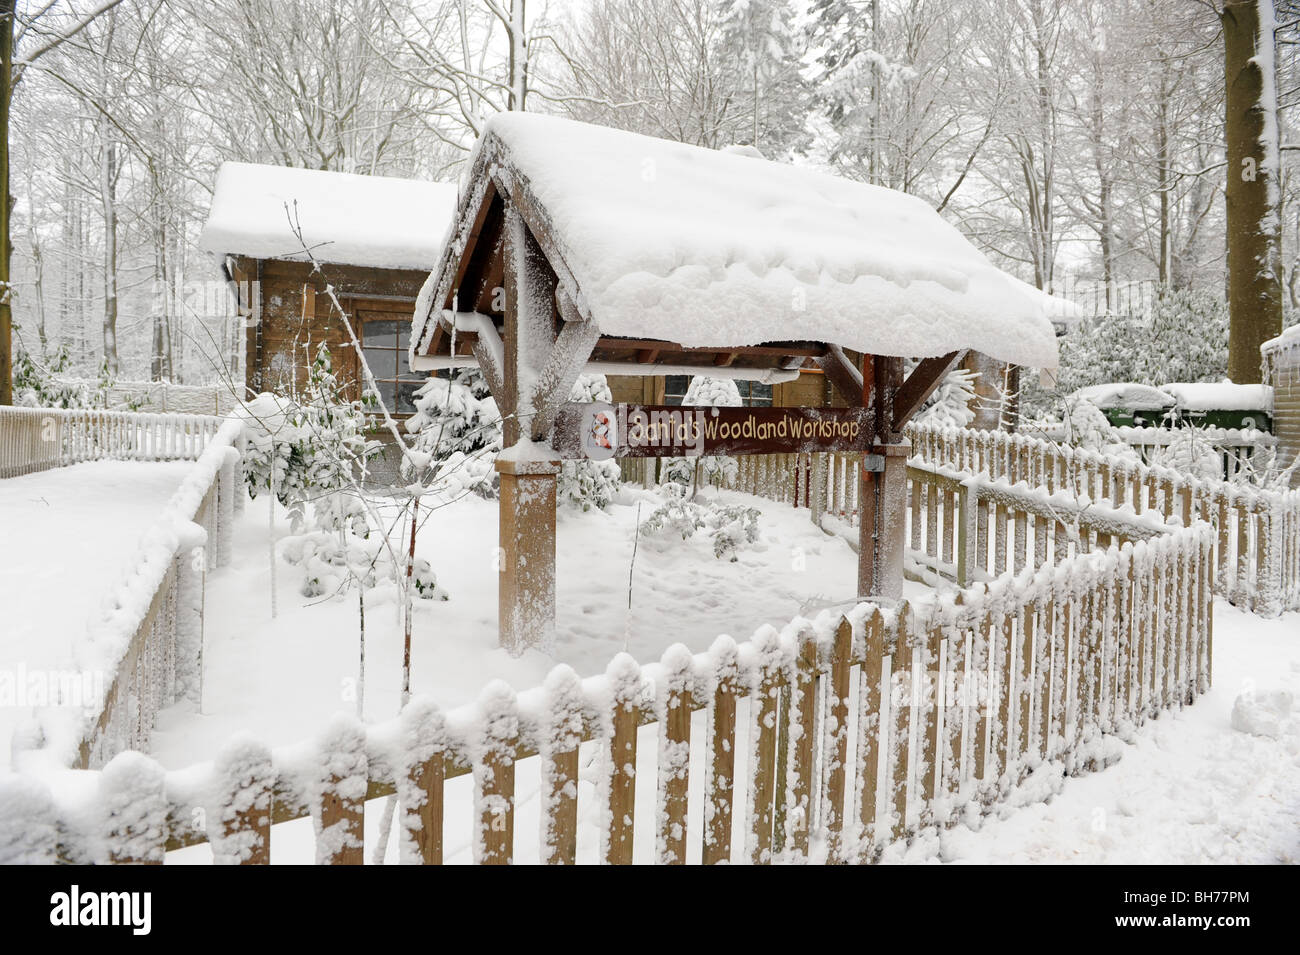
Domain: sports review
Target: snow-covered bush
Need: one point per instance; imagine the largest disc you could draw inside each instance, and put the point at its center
(950, 405)
(1088, 428)
(38, 385)
(311, 442)
(704, 392)
(730, 527)
(1181, 336)
(588, 484)
(457, 429)
(331, 558)
(1190, 454)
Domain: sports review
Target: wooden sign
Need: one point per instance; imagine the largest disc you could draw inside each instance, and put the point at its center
(603, 431)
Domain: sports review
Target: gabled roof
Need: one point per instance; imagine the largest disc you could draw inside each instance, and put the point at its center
(346, 219)
(656, 240)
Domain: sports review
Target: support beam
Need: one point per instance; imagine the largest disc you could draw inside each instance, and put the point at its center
(845, 378)
(529, 324)
(920, 385)
(882, 493)
(526, 590)
(569, 355)
(526, 585)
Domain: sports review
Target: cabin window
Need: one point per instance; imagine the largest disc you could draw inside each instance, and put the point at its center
(755, 394)
(384, 342)
(752, 393)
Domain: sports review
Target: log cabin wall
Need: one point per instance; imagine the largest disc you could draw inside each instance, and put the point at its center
(1282, 371)
(290, 315)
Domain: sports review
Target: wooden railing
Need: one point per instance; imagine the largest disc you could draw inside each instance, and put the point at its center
(807, 736)
(36, 439)
(1256, 551)
(215, 399)
(154, 629)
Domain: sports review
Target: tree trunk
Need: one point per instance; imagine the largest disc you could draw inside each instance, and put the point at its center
(1163, 178)
(108, 200)
(6, 95)
(1252, 193)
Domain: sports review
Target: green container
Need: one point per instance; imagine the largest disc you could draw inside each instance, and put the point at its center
(1235, 419)
(1141, 418)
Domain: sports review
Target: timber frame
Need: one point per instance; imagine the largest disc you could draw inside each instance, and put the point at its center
(503, 298)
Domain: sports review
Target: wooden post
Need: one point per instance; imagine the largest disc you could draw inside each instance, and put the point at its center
(625, 679)
(869, 728)
(341, 801)
(674, 753)
(803, 710)
(836, 741)
(494, 776)
(559, 761)
(721, 789)
(240, 833)
(526, 590)
(765, 712)
(132, 787)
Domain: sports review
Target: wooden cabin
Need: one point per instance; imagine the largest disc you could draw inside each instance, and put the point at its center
(642, 259)
(282, 234)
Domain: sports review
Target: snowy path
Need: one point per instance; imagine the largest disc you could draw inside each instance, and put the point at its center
(69, 534)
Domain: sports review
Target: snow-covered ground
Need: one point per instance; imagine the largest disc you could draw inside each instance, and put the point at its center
(283, 678)
(69, 535)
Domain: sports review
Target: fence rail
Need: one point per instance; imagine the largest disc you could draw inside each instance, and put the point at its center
(36, 439)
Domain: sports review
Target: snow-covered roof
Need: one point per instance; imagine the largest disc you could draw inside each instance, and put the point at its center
(346, 219)
(1126, 394)
(1289, 338)
(1221, 396)
(712, 248)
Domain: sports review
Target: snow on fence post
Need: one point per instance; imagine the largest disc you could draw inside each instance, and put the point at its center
(494, 775)
(801, 718)
(239, 825)
(903, 678)
(928, 698)
(562, 732)
(767, 677)
(29, 830)
(133, 801)
(226, 509)
(624, 676)
(870, 710)
(720, 777)
(835, 742)
(1206, 610)
(1004, 685)
(675, 698)
(420, 782)
(1268, 577)
(339, 799)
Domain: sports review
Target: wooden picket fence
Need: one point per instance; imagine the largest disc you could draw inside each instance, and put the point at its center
(827, 742)
(1256, 550)
(1257, 532)
(36, 439)
(164, 655)
(165, 633)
